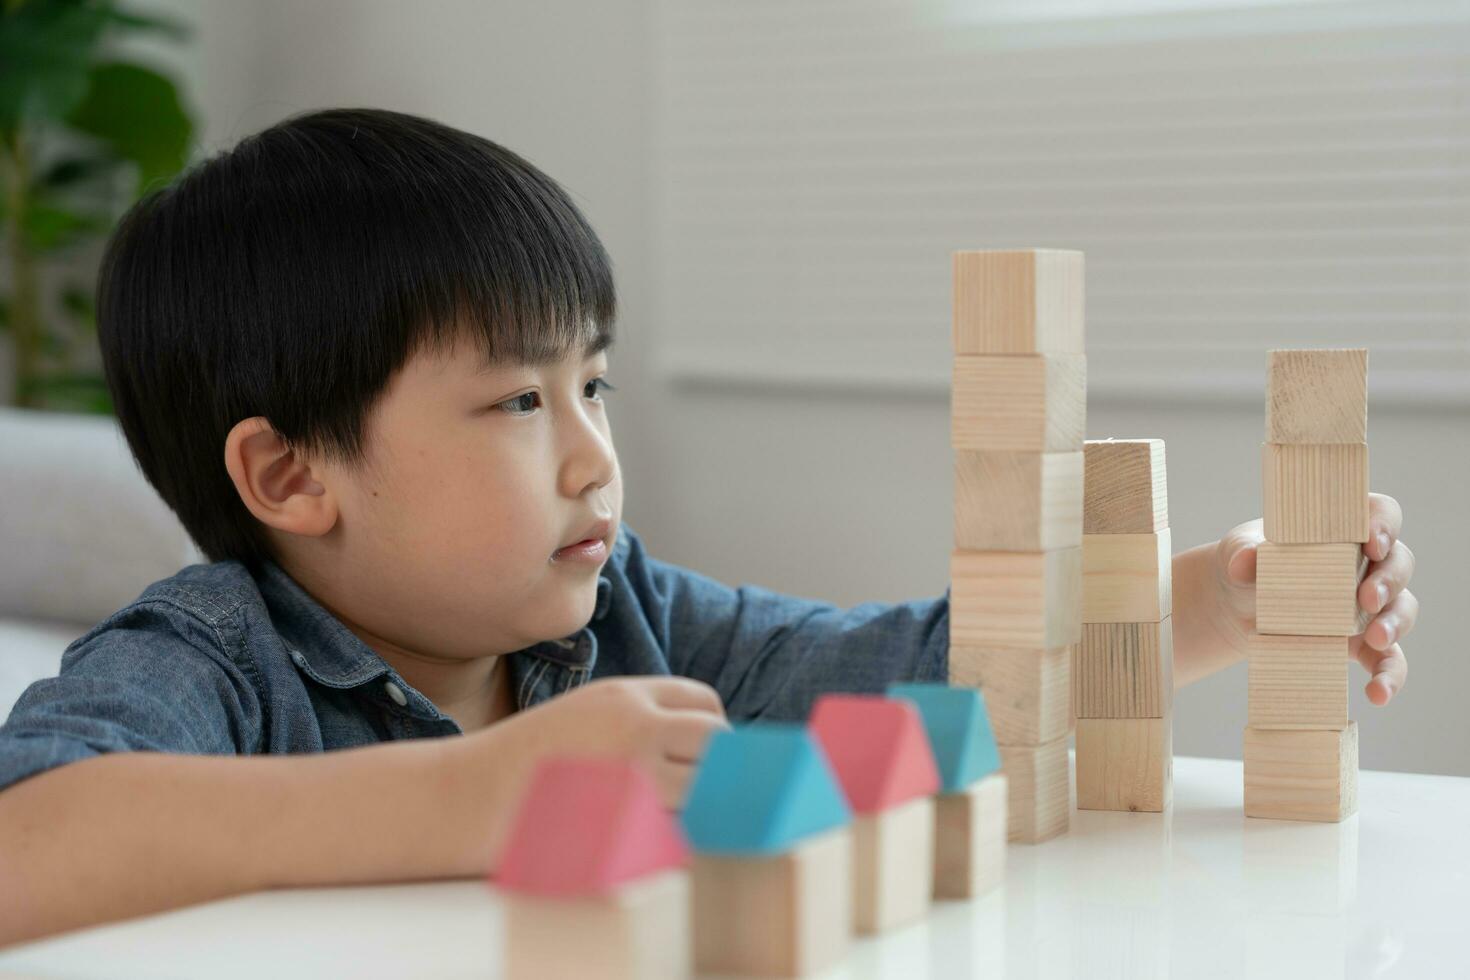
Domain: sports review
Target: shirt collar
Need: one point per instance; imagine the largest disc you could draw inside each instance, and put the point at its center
(333, 653)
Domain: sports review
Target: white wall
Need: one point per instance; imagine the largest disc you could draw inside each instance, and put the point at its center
(836, 494)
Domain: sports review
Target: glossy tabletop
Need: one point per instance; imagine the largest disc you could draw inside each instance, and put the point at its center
(1199, 891)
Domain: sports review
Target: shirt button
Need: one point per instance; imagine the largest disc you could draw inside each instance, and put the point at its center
(396, 693)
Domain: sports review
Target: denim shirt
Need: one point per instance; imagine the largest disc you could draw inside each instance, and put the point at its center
(213, 660)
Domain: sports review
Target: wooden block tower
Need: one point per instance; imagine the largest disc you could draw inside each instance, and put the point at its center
(1018, 418)
(880, 752)
(1123, 673)
(592, 854)
(772, 837)
(1301, 749)
(970, 810)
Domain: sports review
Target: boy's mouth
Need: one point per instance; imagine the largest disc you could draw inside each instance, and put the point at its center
(592, 538)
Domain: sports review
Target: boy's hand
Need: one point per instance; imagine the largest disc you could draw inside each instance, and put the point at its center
(662, 722)
(1382, 592)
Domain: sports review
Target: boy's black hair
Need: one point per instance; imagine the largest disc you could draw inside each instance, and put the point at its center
(291, 276)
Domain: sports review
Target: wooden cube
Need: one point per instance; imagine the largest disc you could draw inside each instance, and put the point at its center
(1126, 489)
(1017, 501)
(1039, 789)
(1310, 589)
(640, 930)
(1019, 402)
(1301, 775)
(1316, 396)
(1298, 681)
(1315, 494)
(893, 865)
(1126, 578)
(787, 914)
(1125, 763)
(1026, 301)
(1026, 691)
(970, 838)
(1015, 599)
(1124, 670)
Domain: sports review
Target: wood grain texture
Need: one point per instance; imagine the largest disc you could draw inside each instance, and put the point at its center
(1316, 396)
(1125, 763)
(785, 914)
(1298, 681)
(1015, 599)
(1040, 790)
(1315, 494)
(1017, 501)
(641, 931)
(1019, 402)
(1027, 301)
(1124, 670)
(1301, 775)
(1309, 589)
(970, 839)
(1126, 487)
(1026, 691)
(893, 866)
(1127, 578)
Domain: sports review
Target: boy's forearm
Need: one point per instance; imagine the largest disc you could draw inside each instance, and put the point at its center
(1206, 637)
(129, 834)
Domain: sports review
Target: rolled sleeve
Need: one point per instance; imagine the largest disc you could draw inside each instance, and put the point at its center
(149, 678)
(770, 655)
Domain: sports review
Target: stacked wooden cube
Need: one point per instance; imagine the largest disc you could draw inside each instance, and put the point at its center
(1018, 420)
(1122, 674)
(1301, 750)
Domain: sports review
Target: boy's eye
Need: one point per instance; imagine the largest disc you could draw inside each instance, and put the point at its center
(526, 402)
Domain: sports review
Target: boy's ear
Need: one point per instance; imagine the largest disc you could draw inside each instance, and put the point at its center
(276, 485)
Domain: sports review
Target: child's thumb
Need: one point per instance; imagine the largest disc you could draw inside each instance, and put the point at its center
(1238, 553)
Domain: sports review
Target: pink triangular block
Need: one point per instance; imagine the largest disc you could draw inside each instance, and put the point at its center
(878, 749)
(587, 826)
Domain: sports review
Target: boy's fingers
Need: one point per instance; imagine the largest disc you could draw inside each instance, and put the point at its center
(685, 734)
(1394, 623)
(1386, 578)
(672, 779)
(685, 692)
(1390, 668)
(1385, 524)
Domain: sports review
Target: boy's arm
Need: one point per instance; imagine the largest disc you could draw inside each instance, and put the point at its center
(770, 655)
(133, 833)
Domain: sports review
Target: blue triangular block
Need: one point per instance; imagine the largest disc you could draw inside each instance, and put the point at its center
(959, 731)
(761, 789)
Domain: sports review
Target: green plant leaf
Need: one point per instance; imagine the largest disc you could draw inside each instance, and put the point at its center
(49, 227)
(46, 48)
(137, 112)
(71, 171)
(72, 392)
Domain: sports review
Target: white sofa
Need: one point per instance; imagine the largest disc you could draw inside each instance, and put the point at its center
(81, 535)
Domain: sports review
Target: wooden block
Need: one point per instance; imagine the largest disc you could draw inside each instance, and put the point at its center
(1018, 302)
(1315, 493)
(893, 865)
(641, 930)
(1316, 396)
(785, 914)
(1126, 578)
(1124, 670)
(1017, 501)
(1039, 790)
(1016, 599)
(1126, 489)
(1019, 402)
(1125, 763)
(1298, 682)
(1301, 775)
(1026, 691)
(1310, 589)
(970, 838)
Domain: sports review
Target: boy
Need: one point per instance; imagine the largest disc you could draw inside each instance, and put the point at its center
(395, 334)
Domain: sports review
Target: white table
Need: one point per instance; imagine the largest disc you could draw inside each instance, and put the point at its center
(1198, 892)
